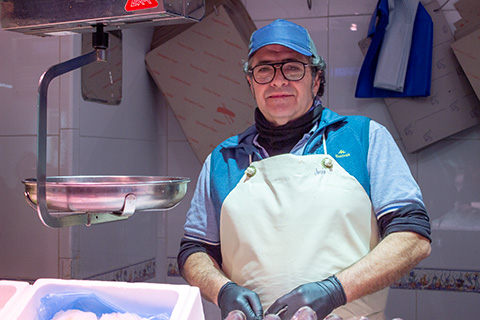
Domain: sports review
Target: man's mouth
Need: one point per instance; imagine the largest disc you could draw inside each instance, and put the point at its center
(279, 95)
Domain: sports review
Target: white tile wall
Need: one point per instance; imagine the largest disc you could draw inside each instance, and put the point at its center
(351, 7)
(181, 162)
(29, 250)
(406, 309)
(446, 305)
(449, 175)
(69, 118)
(106, 156)
(446, 169)
(112, 246)
(284, 9)
(24, 59)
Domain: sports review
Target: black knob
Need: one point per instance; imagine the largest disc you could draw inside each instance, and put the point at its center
(100, 38)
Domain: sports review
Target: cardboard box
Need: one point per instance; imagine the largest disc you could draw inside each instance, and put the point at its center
(469, 11)
(467, 51)
(181, 302)
(200, 73)
(452, 105)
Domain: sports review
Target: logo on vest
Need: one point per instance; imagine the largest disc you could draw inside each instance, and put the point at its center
(342, 154)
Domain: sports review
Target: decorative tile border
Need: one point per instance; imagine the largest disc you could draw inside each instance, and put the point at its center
(440, 279)
(417, 279)
(139, 272)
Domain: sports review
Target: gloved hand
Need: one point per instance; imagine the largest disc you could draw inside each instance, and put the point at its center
(322, 296)
(234, 297)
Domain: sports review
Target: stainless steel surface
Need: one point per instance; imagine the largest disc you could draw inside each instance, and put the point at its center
(97, 55)
(100, 194)
(113, 198)
(55, 17)
(79, 200)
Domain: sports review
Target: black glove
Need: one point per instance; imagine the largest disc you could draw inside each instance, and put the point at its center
(323, 297)
(234, 297)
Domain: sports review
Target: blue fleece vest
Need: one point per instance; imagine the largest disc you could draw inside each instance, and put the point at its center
(347, 140)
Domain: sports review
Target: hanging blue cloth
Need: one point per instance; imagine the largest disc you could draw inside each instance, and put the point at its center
(419, 70)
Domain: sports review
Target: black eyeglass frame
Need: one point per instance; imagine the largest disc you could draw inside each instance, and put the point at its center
(279, 65)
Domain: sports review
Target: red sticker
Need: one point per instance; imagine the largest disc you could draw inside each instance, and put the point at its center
(134, 5)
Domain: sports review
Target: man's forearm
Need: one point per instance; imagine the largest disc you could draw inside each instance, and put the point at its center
(202, 271)
(393, 257)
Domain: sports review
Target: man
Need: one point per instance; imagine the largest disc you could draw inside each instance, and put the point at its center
(307, 207)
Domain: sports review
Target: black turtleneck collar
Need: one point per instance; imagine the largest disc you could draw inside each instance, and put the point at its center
(281, 139)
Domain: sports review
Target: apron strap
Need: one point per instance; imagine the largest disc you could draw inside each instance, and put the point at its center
(324, 144)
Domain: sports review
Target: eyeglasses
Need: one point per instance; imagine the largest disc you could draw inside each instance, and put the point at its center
(291, 70)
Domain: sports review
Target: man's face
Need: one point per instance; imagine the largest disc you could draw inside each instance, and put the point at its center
(281, 101)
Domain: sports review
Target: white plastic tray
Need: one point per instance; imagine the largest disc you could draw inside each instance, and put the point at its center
(10, 292)
(183, 301)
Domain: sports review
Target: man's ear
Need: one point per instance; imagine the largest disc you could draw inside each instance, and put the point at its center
(317, 79)
(316, 83)
(249, 81)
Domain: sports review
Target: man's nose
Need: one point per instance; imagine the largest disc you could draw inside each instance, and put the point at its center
(278, 79)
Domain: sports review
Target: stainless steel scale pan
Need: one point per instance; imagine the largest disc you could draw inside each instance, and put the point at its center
(77, 200)
(98, 194)
(84, 200)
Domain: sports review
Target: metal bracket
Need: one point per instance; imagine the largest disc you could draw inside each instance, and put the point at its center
(129, 205)
(99, 54)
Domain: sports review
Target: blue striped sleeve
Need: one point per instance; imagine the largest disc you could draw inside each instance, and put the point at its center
(201, 222)
(391, 181)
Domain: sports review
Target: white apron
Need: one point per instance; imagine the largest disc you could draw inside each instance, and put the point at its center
(297, 219)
